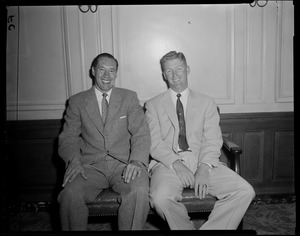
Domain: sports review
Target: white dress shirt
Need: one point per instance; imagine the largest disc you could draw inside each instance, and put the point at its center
(99, 98)
(183, 99)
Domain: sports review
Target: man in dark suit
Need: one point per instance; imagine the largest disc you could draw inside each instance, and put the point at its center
(105, 143)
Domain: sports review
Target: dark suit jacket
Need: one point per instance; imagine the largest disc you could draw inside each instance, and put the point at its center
(125, 136)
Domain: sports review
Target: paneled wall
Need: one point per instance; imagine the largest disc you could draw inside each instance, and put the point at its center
(36, 64)
(34, 172)
(267, 141)
(241, 56)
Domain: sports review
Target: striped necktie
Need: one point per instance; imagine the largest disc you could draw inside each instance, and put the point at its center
(104, 107)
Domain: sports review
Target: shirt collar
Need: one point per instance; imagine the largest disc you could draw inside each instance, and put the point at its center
(184, 93)
(99, 94)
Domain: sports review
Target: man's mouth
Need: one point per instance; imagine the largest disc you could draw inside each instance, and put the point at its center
(105, 81)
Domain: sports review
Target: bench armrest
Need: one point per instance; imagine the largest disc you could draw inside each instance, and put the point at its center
(235, 152)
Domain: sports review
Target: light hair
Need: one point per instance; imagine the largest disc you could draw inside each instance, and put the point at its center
(171, 56)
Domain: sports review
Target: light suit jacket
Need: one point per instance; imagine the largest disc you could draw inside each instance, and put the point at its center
(125, 136)
(202, 129)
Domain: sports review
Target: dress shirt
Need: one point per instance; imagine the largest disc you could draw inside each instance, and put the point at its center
(183, 99)
(99, 98)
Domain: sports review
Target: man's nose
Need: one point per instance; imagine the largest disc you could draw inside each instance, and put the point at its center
(106, 73)
(173, 73)
(176, 73)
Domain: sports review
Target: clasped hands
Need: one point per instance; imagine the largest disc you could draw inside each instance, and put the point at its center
(132, 170)
(197, 181)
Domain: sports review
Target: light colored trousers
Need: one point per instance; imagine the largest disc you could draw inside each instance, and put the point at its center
(234, 195)
(134, 196)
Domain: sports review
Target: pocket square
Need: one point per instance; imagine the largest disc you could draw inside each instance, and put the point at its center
(122, 117)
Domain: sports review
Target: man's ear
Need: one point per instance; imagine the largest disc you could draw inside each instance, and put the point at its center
(165, 78)
(93, 71)
(188, 69)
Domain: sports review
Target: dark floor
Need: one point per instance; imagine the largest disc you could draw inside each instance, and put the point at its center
(267, 215)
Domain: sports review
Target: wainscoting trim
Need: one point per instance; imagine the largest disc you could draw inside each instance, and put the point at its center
(267, 161)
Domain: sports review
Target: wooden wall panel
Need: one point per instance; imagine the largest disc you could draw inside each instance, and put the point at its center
(283, 156)
(34, 171)
(33, 168)
(253, 149)
(40, 79)
(254, 86)
(261, 129)
(155, 38)
(284, 57)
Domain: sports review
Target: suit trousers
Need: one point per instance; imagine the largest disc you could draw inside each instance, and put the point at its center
(134, 198)
(234, 195)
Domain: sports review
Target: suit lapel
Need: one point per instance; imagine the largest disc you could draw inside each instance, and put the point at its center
(171, 112)
(93, 109)
(170, 108)
(191, 110)
(114, 105)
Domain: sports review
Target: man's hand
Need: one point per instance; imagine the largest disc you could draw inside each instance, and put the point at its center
(184, 174)
(74, 168)
(131, 171)
(201, 181)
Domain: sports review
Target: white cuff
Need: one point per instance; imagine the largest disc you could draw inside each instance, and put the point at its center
(206, 163)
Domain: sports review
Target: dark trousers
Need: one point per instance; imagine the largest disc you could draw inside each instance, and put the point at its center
(134, 207)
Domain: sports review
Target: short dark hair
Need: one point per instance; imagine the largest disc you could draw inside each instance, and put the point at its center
(171, 56)
(101, 55)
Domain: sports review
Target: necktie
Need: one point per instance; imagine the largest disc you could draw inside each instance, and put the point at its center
(183, 145)
(104, 107)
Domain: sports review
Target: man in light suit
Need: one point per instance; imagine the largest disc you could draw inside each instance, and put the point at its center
(105, 143)
(186, 141)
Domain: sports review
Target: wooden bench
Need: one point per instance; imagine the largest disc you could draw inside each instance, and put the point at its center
(107, 204)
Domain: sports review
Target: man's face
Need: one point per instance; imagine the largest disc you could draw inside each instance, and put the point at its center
(176, 72)
(105, 74)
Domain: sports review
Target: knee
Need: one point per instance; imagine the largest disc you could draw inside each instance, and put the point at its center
(159, 198)
(69, 195)
(251, 192)
(248, 191)
(139, 191)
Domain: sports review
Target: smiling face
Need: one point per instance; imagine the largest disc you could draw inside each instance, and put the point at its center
(176, 72)
(105, 73)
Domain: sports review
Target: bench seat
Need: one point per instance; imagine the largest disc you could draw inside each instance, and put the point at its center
(107, 203)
